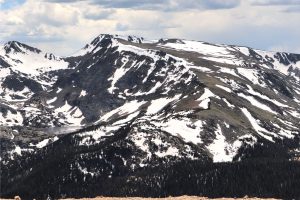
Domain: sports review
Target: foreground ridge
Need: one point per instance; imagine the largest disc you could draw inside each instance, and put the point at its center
(167, 198)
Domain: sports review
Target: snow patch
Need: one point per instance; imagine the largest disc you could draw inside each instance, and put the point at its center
(127, 108)
(205, 98)
(187, 130)
(158, 104)
(45, 142)
(83, 93)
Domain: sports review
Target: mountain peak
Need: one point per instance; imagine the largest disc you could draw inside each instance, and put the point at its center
(103, 40)
(18, 47)
(129, 38)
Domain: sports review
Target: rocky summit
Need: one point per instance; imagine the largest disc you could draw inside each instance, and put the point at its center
(127, 116)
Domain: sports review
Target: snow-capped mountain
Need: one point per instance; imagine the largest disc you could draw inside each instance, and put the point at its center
(122, 105)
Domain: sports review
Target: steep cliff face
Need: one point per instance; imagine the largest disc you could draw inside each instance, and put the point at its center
(123, 106)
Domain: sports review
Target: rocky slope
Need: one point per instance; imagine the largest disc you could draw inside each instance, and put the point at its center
(122, 107)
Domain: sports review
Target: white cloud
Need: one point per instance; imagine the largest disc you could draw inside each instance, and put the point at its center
(63, 28)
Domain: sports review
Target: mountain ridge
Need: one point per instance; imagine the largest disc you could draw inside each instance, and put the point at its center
(123, 105)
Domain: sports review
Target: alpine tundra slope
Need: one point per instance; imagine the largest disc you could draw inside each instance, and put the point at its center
(128, 116)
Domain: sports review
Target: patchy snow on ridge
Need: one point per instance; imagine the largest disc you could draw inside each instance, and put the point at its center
(276, 63)
(11, 119)
(33, 63)
(199, 47)
(95, 136)
(213, 52)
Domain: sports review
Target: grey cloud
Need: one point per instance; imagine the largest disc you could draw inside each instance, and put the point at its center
(157, 24)
(274, 2)
(167, 5)
(56, 22)
(292, 9)
(101, 14)
(142, 4)
(122, 27)
(219, 4)
(20, 36)
(65, 1)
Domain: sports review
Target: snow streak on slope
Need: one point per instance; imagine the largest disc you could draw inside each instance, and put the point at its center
(158, 104)
(260, 130)
(127, 108)
(256, 103)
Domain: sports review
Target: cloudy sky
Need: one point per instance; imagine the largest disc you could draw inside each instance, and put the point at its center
(64, 26)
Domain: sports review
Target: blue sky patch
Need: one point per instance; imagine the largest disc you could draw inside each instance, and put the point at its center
(9, 4)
